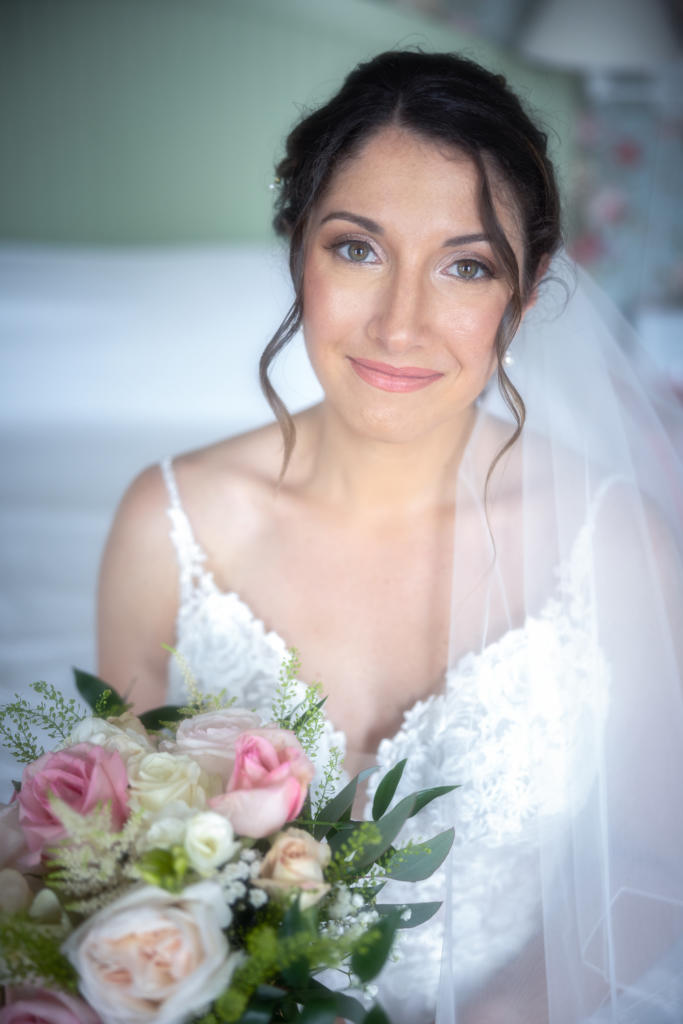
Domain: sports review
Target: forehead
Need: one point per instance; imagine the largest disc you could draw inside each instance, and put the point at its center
(406, 175)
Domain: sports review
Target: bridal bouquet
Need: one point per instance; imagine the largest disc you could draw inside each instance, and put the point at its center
(184, 865)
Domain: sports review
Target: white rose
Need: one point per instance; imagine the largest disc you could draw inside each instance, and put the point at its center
(167, 827)
(126, 734)
(15, 894)
(210, 738)
(153, 956)
(157, 779)
(209, 841)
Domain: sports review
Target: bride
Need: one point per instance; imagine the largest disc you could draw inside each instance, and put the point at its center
(486, 580)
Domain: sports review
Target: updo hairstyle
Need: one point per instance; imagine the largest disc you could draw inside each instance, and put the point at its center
(444, 99)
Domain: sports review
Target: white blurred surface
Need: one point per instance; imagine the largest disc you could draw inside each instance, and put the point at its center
(108, 360)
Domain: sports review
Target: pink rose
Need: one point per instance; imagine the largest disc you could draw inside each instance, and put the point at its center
(38, 1006)
(268, 784)
(82, 777)
(210, 739)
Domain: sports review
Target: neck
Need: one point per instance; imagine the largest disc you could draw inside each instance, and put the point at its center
(377, 476)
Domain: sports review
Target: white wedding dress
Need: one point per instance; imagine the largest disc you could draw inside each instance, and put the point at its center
(507, 728)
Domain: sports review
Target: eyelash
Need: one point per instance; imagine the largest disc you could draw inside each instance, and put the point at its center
(483, 271)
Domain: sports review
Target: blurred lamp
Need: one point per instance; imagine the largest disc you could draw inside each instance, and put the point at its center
(600, 36)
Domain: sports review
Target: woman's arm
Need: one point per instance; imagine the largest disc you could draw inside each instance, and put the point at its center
(137, 595)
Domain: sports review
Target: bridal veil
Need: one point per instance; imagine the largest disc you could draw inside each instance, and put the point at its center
(577, 539)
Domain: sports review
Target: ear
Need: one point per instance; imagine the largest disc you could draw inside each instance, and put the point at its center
(543, 265)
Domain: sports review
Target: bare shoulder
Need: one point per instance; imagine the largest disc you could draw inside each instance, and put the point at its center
(227, 489)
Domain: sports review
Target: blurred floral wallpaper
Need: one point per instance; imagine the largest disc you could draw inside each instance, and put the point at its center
(627, 212)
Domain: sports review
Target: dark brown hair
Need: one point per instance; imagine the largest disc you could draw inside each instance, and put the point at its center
(446, 99)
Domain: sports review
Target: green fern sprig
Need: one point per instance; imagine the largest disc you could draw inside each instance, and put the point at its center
(30, 953)
(199, 701)
(55, 715)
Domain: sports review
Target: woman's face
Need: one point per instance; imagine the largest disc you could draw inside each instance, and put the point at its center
(403, 293)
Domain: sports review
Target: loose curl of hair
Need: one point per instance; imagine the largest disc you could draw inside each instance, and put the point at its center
(455, 102)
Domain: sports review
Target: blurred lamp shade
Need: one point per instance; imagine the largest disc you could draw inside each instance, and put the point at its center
(600, 36)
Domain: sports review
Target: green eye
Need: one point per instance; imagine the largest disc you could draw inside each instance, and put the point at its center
(358, 251)
(467, 269)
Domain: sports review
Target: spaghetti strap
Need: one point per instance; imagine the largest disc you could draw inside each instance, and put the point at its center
(191, 557)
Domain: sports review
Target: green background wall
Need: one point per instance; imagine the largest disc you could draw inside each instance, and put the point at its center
(158, 121)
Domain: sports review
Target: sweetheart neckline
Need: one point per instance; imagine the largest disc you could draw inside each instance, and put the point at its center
(203, 580)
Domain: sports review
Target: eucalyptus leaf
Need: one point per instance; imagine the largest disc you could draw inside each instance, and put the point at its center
(386, 789)
(320, 1009)
(346, 1006)
(425, 796)
(376, 1016)
(369, 956)
(387, 829)
(339, 805)
(257, 1013)
(419, 912)
(415, 863)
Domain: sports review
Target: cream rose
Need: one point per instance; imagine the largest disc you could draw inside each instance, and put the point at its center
(158, 779)
(125, 734)
(209, 841)
(15, 894)
(210, 739)
(295, 861)
(153, 956)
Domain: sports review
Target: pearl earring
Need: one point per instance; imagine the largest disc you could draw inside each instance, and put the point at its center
(508, 360)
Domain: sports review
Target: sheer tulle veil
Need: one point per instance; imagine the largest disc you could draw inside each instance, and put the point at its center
(580, 527)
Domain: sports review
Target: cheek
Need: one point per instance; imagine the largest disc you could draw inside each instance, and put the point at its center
(472, 337)
(332, 313)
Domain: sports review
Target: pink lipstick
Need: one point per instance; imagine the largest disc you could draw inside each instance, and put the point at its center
(400, 379)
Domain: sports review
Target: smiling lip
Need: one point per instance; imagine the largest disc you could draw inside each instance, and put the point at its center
(394, 378)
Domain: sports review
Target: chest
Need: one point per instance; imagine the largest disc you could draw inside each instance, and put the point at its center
(367, 610)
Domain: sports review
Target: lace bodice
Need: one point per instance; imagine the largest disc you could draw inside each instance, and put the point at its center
(507, 728)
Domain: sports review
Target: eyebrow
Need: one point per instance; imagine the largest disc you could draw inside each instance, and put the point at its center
(372, 225)
(355, 218)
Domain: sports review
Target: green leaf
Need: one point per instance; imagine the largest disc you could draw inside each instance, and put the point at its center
(345, 1006)
(294, 922)
(419, 912)
(94, 692)
(257, 1013)
(376, 1016)
(369, 956)
(339, 805)
(415, 863)
(318, 1009)
(387, 828)
(386, 789)
(425, 796)
(156, 718)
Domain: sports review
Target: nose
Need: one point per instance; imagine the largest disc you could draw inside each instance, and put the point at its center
(399, 321)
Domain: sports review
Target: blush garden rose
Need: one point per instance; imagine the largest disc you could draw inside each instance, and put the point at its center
(153, 957)
(295, 861)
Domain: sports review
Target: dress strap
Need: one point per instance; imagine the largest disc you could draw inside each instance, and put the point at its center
(191, 557)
